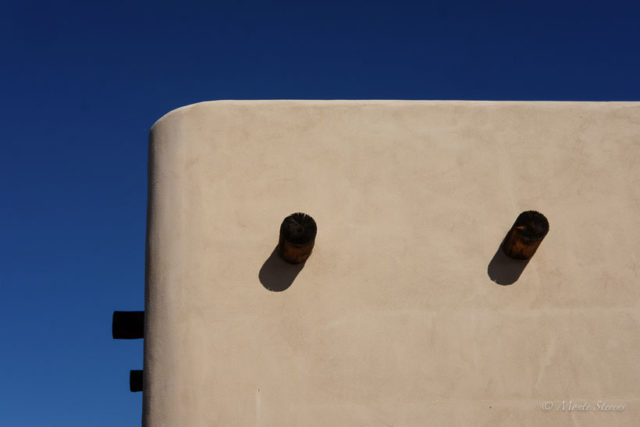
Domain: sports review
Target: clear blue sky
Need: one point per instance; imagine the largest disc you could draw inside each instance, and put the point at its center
(82, 82)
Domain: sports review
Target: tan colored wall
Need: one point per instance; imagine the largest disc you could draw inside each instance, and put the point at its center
(394, 320)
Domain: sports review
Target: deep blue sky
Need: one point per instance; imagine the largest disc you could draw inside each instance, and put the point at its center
(82, 82)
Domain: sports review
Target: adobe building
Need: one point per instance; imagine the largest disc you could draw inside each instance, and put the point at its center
(413, 308)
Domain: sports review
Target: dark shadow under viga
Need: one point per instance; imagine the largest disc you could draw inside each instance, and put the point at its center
(504, 270)
(276, 274)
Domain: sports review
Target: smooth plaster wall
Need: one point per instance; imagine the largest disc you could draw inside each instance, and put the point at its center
(394, 320)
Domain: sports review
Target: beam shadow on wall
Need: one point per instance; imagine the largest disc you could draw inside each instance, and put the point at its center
(505, 270)
(276, 274)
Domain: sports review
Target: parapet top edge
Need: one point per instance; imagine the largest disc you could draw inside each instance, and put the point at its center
(384, 101)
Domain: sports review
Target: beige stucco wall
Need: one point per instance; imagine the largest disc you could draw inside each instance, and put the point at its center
(394, 320)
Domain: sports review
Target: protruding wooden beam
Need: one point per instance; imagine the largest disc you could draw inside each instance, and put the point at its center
(135, 380)
(297, 237)
(127, 325)
(525, 235)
